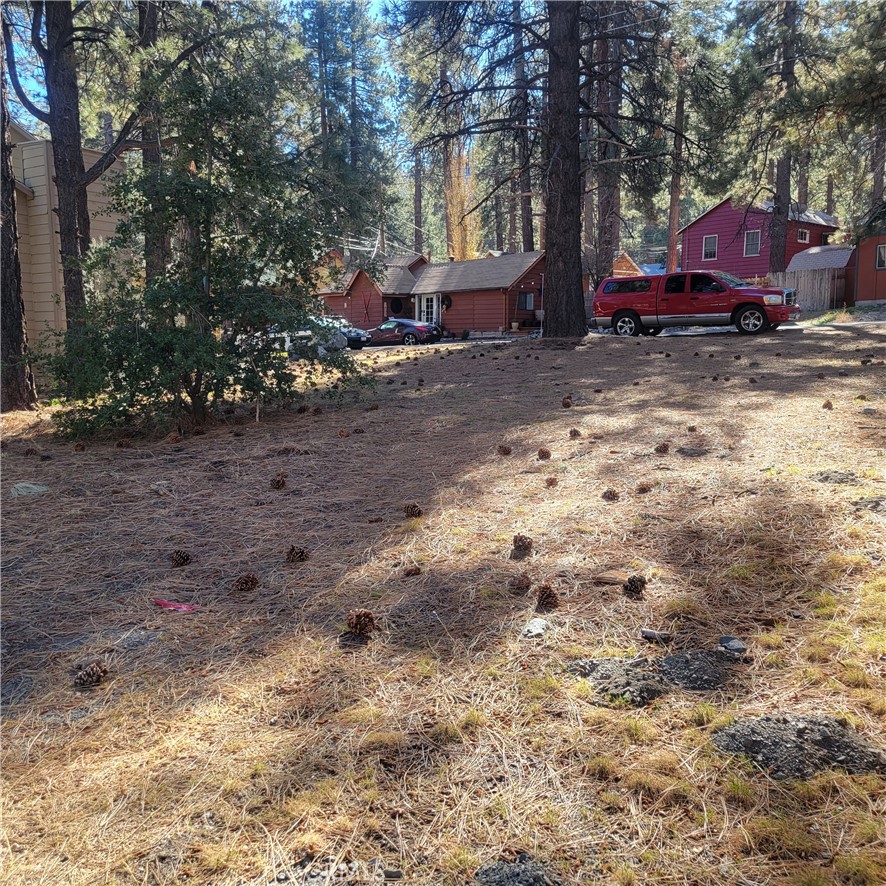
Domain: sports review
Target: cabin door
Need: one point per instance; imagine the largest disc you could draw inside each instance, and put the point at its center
(428, 308)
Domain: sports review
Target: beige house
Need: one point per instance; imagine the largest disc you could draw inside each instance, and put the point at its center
(39, 247)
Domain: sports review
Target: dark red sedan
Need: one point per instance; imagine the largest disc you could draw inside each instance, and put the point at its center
(398, 331)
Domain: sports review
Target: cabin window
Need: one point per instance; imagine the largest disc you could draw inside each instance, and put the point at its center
(751, 243)
(802, 235)
(628, 286)
(881, 257)
(709, 248)
(526, 301)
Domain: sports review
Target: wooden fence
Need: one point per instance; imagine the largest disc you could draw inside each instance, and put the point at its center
(819, 289)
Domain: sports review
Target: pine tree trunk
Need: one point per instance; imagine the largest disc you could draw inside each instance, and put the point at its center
(17, 388)
(778, 228)
(522, 131)
(829, 203)
(418, 235)
(878, 161)
(803, 162)
(676, 178)
(448, 183)
(157, 242)
(512, 215)
(63, 98)
(563, 298)
(499, 224)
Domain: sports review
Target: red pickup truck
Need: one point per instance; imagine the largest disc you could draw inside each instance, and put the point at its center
(645, 305)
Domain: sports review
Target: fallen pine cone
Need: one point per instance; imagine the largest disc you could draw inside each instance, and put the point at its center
(634, 586)
(827, 405)
(246, 583)
(343, 433)
(551, 482)
(663, 448)
(359, 431)
(574, 433)
(643, 488)
(567, 403)
(692, 429)
(522, 543)
(361, 622)
(79, 447)
(372, 407)
(296, 555)
(611, 495)
(521, 582)
(504, 449)
(180, 558)
(32, 450)
(820, 375)
(544, 454)
(302, 408)
(413, 511)
(279, 481)
(198, 432)
(91, 675)
(124, 443)
(412, 570)
(548, 598)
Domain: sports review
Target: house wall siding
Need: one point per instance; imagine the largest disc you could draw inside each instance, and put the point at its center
(479, 311)
(729, 225)
(870, 282)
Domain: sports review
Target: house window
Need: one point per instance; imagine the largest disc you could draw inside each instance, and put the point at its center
(526, 301)
(881, 257)
(709, 248)
(825, 239)
(751, 243)
(802, 235)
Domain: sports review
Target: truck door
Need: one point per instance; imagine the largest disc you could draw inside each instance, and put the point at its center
(709, 299)
(673, 302)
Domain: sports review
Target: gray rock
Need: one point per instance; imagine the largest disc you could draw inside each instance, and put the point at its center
(876, 503)
(869, 410)
(522, 872)
(734, 645)
(535, 627)
(631, 680)
(846, 478)
(698, 670)
(792, 746)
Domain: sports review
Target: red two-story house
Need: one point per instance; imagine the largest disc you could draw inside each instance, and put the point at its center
(734, 239)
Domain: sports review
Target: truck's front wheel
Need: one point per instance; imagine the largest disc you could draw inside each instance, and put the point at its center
(751, 320)
(626, 323)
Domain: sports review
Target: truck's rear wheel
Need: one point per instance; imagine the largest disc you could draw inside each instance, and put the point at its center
(626, 323)
(751, 320)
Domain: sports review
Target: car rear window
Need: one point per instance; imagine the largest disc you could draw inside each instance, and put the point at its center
(628, 286)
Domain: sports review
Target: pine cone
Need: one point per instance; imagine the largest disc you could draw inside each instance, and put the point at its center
(296, 555)
(611, 495)
(344, 433)
(91, 675)
(634, 586)
(522, 543)
(279, 481)
(544, 454)
(504, 449)
(124, 443)
(663, 448)
(359, 431)
(372, 407)
(412, 511)
(551, 482)
(302, 408)
(409, 571)
(521, 583)
(548, 598)
(827, 405)
(567, 402)
(361, 622)
(643, 488)
(79, 447)
(180, 558)
(246, 583)
(198, 432)
(32, 450)
(574, 433)
(317, 410)
(692, 429)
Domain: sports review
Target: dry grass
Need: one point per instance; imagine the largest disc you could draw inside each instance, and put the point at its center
(227, 743)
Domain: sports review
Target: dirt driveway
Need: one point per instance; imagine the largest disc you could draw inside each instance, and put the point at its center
(244, 742)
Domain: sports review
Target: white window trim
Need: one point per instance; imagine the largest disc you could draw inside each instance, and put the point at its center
(759, 243)
(802, 231)
(881, 251)
(716, 246)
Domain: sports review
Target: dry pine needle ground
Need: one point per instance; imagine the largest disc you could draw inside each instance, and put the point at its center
(233, 740)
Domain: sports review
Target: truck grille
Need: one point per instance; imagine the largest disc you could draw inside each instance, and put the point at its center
(790, 296)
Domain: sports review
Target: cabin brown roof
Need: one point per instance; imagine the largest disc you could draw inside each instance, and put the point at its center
(500, 272)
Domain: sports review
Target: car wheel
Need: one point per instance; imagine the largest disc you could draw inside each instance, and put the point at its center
(751, 320)
(651, 330)
(626, 323)
(410, 339)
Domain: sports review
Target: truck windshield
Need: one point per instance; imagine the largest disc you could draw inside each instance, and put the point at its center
(734, 282)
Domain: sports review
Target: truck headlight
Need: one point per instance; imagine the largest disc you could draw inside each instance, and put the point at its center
(773, 299)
